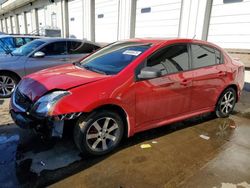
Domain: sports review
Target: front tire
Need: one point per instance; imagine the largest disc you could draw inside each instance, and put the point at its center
(226, 103)
(8, 83)
(98, 133)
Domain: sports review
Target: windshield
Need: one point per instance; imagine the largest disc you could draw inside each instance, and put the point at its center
(27, 48)
(115, 57)
(6, 44)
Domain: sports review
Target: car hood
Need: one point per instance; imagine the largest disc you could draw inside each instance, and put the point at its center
(8, 58)
(58, 78)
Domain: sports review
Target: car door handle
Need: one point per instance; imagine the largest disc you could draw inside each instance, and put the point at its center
(185, 82)
(222, 73)
(64, 59)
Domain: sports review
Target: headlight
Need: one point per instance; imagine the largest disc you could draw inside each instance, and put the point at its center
(44, 106)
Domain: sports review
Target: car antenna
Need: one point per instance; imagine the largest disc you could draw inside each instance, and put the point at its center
(194, 36)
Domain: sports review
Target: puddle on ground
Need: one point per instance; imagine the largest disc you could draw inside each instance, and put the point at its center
(60, 155)
(36, 164)
(225, 128)
(247, 86)
(8, 148)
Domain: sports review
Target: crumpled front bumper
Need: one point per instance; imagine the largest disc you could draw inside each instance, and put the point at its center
(23, 120)
(42, 126)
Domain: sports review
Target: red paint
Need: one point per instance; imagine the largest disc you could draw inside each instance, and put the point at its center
(149, 103)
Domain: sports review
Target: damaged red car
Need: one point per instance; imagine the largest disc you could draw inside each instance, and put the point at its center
(127, 87)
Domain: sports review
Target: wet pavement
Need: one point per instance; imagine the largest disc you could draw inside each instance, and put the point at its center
(200, 152)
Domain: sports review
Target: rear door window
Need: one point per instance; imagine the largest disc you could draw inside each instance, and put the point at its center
(26, 39)
(55, 48)
(19, 41)
(203, 56)
(81, 47)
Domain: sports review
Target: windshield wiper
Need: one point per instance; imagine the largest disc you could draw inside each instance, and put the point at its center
(94, 69)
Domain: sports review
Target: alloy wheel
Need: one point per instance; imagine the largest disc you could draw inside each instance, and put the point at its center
(102, 134)
(7, 86)
(227, 102)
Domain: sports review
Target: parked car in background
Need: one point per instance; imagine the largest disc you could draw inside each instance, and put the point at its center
(8, 43)
(128, 87)
(37, 55)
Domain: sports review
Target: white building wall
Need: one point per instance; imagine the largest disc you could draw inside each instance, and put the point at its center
(89, 19)
(230, 24)
(29, 22)
(75, 18)
(158, 18)
(192, 18)
(106, 20)
(21, 23)
(125, 27)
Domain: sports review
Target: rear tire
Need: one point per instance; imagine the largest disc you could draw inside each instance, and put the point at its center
(98, 133)
(226, 103)
(8, 83)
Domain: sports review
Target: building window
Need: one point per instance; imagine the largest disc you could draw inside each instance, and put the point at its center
(232, 1)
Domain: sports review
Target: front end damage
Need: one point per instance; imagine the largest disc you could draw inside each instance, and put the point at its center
(23, 113)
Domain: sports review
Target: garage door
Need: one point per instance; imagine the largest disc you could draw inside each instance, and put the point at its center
(41, 20)
(4, 25)
(8, 25)
(230, 23)
(21, 24)
(75, 10)
(106, 20)
(13, 24)
(158, 18)
(29, 22)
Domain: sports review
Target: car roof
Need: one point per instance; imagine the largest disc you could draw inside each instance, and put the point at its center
(159, 41)
(14, 36)
(58, 39)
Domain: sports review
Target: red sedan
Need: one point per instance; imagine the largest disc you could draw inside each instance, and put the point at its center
(127, 87)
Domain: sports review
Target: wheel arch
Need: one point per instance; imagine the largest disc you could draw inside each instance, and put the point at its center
(11, 72)
(234, 86)
(123, 114)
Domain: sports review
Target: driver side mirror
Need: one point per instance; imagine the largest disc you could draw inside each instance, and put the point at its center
(39, 54)
(149, 73)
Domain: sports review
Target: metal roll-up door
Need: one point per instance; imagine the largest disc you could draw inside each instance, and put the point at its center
(157, 18)
(29, 22)
(13, 24)
(106, 20)
(75, 10)
(230, 23)
(21, 24)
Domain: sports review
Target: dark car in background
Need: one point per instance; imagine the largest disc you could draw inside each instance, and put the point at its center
(8, 43)
(37, 55)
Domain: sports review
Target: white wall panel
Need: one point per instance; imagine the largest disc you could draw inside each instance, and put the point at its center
(41, 17)
(229, 24)
(29, 22)
(4, 25)
(13, 23)
(75, 11)
(106, 20)
(158, 18)
(8, 25)
(21, 24)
